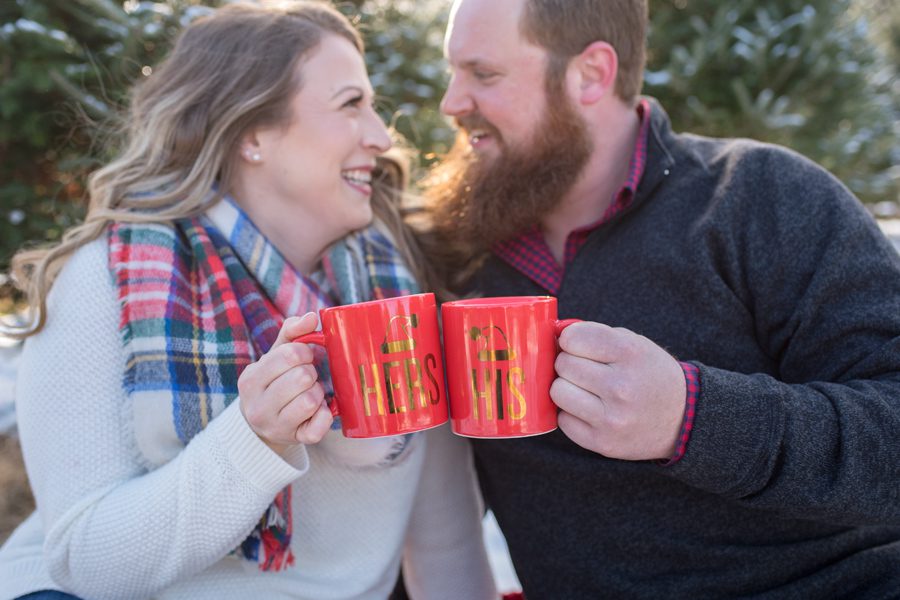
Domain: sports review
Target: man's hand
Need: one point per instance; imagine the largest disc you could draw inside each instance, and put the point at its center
(619, 394)
(280, 395)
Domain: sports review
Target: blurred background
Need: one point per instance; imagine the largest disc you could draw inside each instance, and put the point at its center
(819, 76)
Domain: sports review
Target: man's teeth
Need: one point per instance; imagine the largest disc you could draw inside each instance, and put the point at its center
(477, 135)
(362, 177)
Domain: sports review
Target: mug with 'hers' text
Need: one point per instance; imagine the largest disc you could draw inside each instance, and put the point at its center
(500, 364)
(386, 366)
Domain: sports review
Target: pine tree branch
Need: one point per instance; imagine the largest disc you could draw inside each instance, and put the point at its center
(108, 8)
(91, 104)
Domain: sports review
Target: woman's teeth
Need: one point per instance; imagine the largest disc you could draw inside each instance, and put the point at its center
(358, 177)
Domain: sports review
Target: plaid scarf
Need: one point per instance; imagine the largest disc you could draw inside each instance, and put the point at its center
(204, 297)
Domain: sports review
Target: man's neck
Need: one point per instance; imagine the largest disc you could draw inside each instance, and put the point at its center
(604, 174)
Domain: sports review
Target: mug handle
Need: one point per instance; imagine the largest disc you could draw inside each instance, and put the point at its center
(559, 325)
(318, 338)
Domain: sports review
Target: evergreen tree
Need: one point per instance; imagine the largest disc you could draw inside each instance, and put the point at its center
(803, 73)
(64, 68)
(404, 53)
(818, 76)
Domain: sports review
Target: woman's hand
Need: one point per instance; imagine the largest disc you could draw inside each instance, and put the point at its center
(280, 396)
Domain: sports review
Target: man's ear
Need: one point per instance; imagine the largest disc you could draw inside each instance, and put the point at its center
(250, 148)
(595, 70)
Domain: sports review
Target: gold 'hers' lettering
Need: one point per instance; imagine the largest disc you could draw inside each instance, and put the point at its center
(408, 384)
(368, 390)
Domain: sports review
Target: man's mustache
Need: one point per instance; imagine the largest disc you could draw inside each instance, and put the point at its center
(475, 122)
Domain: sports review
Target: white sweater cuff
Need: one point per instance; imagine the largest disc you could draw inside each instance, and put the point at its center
(262, 466)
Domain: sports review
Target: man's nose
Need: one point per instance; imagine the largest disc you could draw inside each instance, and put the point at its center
(456, 101)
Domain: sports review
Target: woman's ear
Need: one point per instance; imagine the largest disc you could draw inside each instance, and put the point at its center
(250, 148)
(595, 69)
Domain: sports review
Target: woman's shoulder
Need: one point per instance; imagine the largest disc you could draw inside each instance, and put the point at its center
(91, 255)
(85, 277)
(82, 296)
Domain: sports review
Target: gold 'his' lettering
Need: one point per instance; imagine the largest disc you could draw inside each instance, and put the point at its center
(368, 390)
(487, 395)
(516, 376)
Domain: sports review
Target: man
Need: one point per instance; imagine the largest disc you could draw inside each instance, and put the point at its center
(729, 417)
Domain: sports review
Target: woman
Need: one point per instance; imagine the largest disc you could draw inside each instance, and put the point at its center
(177, 444)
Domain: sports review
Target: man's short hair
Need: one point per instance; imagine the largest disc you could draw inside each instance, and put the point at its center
(566, 27)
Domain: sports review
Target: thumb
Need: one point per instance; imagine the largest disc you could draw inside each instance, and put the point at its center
(294, 327)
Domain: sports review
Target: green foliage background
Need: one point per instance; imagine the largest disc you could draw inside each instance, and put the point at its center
(820, 76)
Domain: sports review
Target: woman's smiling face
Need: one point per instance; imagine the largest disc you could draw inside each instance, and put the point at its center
(313, 176)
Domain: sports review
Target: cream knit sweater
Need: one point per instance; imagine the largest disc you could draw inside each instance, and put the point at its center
(110, 526)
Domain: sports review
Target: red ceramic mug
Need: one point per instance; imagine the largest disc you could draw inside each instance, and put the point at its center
(500, 354)
(385, 363)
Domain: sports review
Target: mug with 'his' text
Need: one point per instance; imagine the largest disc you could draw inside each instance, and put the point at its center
(500, 355)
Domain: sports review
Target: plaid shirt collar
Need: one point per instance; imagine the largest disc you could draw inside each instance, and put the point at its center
(529, 253)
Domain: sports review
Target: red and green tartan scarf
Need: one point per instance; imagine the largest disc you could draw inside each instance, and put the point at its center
(204, 297)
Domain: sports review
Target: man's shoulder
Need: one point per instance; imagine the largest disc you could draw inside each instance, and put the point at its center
(742, 180)
(731, 156)
(746, 153)
(746, 166)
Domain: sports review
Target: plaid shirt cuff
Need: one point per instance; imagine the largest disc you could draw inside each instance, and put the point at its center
(692, 381)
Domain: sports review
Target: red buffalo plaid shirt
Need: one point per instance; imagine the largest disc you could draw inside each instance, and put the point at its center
(530, 255)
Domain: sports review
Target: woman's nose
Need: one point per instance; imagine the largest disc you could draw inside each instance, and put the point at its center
(376, 135)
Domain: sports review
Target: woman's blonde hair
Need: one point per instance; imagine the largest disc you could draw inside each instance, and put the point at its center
(229, 71)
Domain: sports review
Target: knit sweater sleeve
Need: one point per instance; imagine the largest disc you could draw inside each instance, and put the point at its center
(815, 436)
(114, 529)
(444, 554)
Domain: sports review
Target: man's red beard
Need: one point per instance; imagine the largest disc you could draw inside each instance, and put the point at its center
(475, 202)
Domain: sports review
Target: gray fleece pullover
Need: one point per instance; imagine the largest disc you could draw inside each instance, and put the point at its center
(760, 268)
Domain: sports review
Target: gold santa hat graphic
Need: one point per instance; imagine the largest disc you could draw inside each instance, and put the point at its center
(398, 335)
(492, 343)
